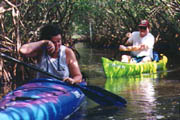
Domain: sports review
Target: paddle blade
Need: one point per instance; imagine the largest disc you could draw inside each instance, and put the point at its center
(102, 96)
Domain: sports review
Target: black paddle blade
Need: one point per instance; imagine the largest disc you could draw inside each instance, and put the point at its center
(102, 96)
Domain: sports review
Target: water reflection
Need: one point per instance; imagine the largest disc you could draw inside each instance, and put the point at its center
(147, 100)
(139, 90)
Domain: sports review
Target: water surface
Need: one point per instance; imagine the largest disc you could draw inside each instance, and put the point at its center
(149, 96)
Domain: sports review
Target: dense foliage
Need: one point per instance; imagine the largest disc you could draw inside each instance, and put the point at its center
(110, 20)
(102, 23)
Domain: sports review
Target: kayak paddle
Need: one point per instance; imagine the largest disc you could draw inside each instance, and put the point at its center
(99, 95)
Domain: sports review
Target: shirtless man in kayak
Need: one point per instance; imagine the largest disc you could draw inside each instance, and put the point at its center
(141, 44)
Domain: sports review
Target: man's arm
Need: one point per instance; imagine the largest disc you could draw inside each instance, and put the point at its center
(132, 48)
(34, 48)
(123, 47)
(73, 67)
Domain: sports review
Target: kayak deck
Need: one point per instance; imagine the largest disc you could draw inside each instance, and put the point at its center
(43, 99)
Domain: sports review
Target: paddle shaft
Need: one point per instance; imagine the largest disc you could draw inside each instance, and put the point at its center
(99, 95)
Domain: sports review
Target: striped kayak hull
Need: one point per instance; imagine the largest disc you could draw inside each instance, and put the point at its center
(117, 69)
(41, 99)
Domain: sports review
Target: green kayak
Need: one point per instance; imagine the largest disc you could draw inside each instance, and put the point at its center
(115, 68)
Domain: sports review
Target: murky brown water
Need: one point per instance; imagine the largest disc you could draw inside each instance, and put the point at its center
(149, 96)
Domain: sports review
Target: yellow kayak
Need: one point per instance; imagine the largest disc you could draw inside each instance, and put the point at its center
(115, 68)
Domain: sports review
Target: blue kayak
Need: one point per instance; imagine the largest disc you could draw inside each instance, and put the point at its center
(41, 99)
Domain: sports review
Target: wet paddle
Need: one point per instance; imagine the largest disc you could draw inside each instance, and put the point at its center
(99, 95)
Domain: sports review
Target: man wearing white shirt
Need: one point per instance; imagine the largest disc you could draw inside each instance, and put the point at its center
(142, 43)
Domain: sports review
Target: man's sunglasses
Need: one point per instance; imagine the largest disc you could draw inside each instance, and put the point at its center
(142, 27)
